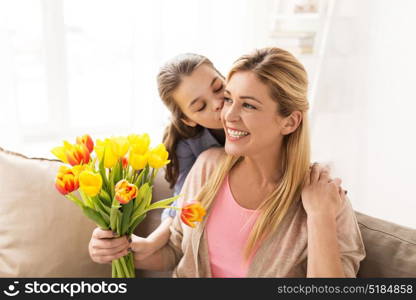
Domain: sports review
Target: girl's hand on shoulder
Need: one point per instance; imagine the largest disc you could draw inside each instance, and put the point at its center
(321, 195)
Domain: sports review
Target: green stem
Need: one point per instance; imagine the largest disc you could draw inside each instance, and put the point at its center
(124, 266)
(75, 199)
(119, 270)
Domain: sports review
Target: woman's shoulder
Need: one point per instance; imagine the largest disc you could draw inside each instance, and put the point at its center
(205, 165)
(211, 156)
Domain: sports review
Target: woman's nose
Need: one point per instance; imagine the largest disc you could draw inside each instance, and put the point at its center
(230, 113)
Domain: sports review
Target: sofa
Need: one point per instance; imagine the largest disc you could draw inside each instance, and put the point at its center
(43, 234)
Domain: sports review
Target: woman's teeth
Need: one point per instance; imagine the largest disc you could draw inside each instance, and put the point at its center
(236, 133)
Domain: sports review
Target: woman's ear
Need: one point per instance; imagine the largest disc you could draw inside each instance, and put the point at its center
(189, 122)
(291, 123)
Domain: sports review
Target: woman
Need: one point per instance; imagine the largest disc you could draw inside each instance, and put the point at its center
(268, 213)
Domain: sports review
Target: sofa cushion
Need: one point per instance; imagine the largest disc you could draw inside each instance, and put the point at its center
(42, 234)
(390, 248)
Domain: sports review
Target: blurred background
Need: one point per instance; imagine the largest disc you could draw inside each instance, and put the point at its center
(69, 67)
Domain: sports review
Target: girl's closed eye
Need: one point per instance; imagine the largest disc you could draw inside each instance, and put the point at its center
(202, 107)
(219, 89)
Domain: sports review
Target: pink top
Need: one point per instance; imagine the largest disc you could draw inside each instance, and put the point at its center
(227, 229)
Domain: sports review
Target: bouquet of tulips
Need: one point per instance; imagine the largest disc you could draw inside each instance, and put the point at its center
(116, 184)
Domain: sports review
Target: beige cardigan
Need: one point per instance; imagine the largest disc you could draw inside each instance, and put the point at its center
(283, 254)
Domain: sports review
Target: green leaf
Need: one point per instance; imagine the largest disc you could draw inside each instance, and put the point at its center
(119, 218)
(105, 198)
(113, 217)
(135, 222)
(162, 203)
(103, 172)
(139, 179)
(117, 171)
(102, 209)
(111, 183)
(95, 216)
(75, 199)
(127, 213)
(148, 196)
(140, 195)
(86, 198)
(143, 200)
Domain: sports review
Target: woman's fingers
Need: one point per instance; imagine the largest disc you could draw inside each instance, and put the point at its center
(315, 173)
(337, 181)
(110, 258)
(102, 234)
(109, 251)
(324, 175)
(110, 243)
(308, 177)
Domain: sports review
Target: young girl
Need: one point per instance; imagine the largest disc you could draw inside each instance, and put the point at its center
(193, 90)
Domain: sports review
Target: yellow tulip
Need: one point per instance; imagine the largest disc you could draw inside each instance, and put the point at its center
(139, 143)
(158, 157)
(138, 161)
(59, 152)
(120, 145)
(104, 148)
(90, 182)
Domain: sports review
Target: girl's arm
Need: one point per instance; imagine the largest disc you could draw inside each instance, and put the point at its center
(144, 247)
(153, 262)
(324, 258)
(322, 199)
(167, 257)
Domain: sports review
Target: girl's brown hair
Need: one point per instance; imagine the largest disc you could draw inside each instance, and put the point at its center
(168, 80)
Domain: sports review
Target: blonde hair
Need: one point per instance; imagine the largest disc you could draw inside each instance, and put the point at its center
(286, 79)
(168, 80)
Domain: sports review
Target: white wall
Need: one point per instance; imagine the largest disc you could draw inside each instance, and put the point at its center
(364, 117)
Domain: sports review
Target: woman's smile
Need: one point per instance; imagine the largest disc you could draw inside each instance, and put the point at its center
(234, 134)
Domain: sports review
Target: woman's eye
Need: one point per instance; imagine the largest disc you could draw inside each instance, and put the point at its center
(246, 105)
(227, 100)
(219, 89)
(202, 107)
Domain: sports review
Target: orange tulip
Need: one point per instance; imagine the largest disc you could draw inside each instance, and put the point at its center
(87, 141)
(191, 213)
(67, 180)
(125, 191)
(73, 154)
(78, 154)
